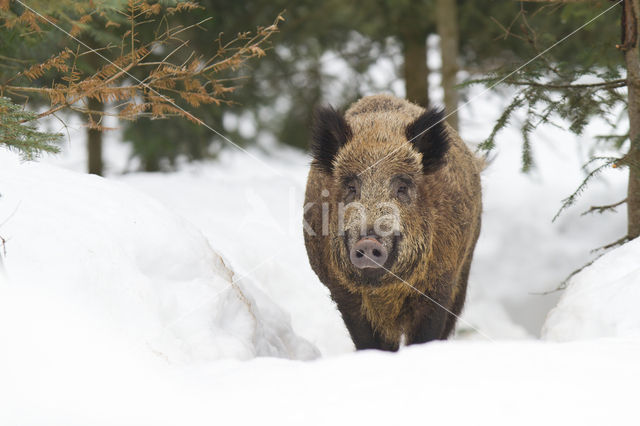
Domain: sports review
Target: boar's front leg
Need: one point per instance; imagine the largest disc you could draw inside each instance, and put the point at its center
(363, 335)
(428, 324)
(360, 329)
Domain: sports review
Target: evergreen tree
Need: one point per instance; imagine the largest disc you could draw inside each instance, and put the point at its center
(113, 64)
(25, 24)
(551, 87)
(280, 92)
(17, 133)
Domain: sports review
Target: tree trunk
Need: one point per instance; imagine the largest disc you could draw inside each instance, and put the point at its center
(94, 140)
(416, 74)
(632, 60)
(447, 22)
(94, 136)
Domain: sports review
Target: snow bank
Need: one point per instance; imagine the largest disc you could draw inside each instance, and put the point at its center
(600, 301)
(254, 217)
(452, 383)
(120, 259)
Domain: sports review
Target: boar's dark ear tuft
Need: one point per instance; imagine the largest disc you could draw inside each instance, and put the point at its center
(330, 132)
(428, 135)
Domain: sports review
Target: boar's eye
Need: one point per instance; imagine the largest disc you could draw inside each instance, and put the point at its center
(351, 190)
(401, 186)
(402, 193)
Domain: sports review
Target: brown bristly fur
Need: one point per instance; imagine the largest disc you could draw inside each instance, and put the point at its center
(438, 229)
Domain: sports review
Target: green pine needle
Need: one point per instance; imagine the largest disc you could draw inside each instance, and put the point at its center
(19, 134)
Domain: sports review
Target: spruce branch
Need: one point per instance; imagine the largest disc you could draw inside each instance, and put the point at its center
(503, 120)
(616, 140)
(612, 84)
(602, 209)
(527, 157)
(24, 138)
(571, 199)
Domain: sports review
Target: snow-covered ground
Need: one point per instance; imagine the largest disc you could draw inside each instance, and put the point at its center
(125, 258)
(149, 298)
(601, 301)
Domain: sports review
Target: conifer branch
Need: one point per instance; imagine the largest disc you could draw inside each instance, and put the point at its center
(571, 199)
(602, 209)
(612, 84)
(614, 244)
(24, 138)
(603, 250)
(192, 79)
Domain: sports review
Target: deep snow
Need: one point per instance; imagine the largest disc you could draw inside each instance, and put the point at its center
(64, 372)
(119, 312)
(600, 301)
(128, 261)
(131, 300)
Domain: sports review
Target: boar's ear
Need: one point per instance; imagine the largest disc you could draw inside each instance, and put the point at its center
(428, 135)
(330, 132)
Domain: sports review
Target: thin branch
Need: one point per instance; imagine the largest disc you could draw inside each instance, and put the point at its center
(558, 1)
(193, 80)
(616, 243)
(197, 24)
(507, 30)
(570, 200)
(565, 282)
(22, 61)
(621, 82)
(66, 128)
(602, 209)
(603, 250)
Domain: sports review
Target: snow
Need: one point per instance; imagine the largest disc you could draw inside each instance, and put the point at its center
(601, 300)
(254, 218)
(522, 254)
(187, 298)
(128, 260)
(76, 373)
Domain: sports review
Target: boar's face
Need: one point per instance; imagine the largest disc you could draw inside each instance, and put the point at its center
(379, 229)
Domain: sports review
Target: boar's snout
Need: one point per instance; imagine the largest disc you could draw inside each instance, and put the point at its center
(368, 253)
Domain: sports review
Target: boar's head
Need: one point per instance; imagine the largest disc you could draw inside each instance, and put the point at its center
(379, 169)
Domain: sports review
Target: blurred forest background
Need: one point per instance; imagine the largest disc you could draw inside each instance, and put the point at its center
(194, 63)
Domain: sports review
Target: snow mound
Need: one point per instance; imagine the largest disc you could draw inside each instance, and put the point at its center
(254, 217)
(121, 259)
(600, 301)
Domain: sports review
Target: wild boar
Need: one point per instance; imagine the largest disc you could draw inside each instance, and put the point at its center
(391, 217)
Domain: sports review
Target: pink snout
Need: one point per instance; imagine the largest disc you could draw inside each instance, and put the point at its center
(368, 253)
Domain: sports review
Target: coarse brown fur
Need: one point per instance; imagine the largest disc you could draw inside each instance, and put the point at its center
(434, 226)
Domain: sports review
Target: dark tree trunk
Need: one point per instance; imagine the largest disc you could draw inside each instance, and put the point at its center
(632, 60)
(94, 136)
(416, 74)
(447, 22)
(94, 139)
